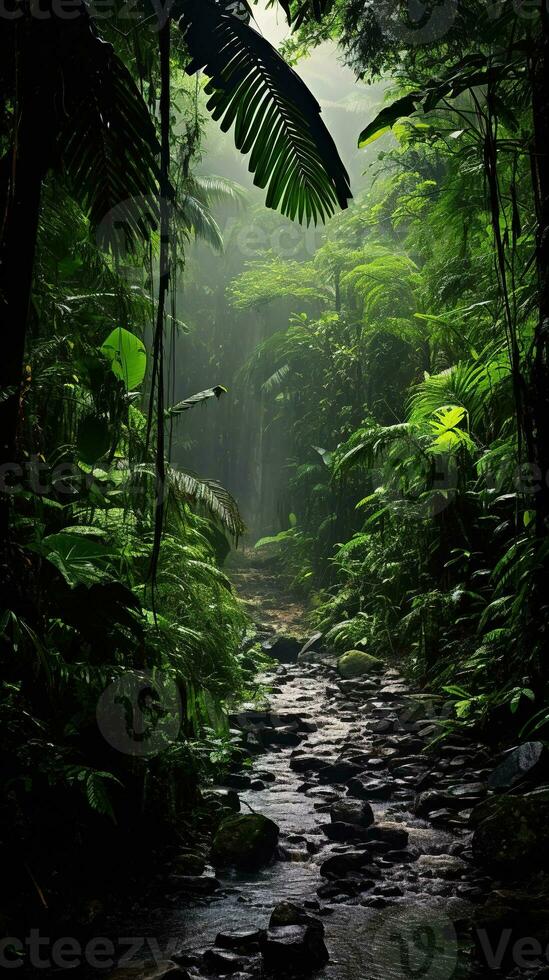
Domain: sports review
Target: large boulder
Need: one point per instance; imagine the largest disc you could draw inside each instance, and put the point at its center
(356, 663)
(288, 914)
(357, 812)
(513, 835)
(246, 841)
(526, 760)
(339, 865)
(294, 949)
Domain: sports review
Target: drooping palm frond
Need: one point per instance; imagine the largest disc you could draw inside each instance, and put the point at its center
(198, 219)
(211, 189)
(373, 440)
(276, 379)
(92, 122)
(276, 118)
(209, 496)
(106, 142)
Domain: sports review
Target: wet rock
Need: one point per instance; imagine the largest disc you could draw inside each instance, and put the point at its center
(370, 789)
(308, 763)
(188, 864)
(342, 864)
(528, 759)
(376, 902)
(396, 692)
(397, 837)
(224, 961)
(451, 799)
(462, 791)
(246, 841)
(266, 776)
(441, 866)
(381, 726)
(240, 940)
(388, 891)
(339, 772)
(342, 832)
(356, 663)
(515, 834)
(294, 949)
(189, 957)
(288, 914)
(204, 884)
(402, 856)
(252, 719)
(357, 812)
(257, 785)
(439, 818)
(283, 648)
(356, 687)
(281, 736)
(328, 891)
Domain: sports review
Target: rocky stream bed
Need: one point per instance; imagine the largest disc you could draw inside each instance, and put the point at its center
(349, 851)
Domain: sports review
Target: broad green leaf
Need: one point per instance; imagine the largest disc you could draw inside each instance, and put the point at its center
(80, 561)
(386, 119)
(127, 355)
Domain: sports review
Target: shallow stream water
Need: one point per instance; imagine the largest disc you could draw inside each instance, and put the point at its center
(407, 926)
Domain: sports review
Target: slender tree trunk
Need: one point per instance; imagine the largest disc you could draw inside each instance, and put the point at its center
(21, 174)
(164, 46)
(539, 382)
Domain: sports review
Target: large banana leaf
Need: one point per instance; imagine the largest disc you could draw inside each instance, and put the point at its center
(275, 117)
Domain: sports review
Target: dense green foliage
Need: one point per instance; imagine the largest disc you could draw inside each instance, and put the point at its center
(118, 626)
(403, 383)
(406, 375)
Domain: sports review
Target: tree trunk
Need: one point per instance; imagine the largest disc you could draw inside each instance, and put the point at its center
(22, 172)
(539, 381)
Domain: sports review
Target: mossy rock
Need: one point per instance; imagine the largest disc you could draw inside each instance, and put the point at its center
(247, 841)
(356, 663)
